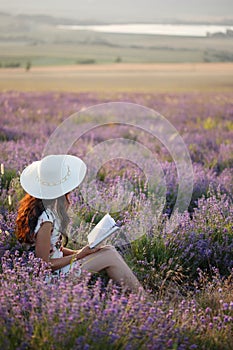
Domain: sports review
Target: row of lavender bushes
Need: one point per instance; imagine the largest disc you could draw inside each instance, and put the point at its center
(187, 272)
(67, 313)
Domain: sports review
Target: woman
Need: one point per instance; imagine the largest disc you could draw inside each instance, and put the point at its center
(42, 220)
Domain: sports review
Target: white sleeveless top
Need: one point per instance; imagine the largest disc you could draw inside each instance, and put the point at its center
(56, 240)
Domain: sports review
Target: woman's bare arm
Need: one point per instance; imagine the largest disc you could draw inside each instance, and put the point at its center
(43, 249)
(67, 251)
(80, 253)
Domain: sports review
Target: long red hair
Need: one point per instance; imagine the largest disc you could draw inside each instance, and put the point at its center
(30, 208)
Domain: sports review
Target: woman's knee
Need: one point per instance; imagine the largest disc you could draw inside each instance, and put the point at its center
(110, 250)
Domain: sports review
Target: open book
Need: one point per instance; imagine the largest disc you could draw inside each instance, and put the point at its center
(105, 227)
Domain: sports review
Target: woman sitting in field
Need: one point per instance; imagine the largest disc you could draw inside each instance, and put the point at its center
(42, 221)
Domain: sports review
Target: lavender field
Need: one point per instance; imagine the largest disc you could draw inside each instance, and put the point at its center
(188, 272)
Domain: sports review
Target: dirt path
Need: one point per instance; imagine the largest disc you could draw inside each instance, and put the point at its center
(121, 77)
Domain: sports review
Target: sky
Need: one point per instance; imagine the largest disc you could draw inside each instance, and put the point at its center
(122, 10)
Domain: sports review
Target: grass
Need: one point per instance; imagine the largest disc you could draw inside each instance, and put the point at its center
(102, 47)
(47, 54)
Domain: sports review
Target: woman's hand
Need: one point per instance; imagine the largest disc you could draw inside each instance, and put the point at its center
(86, 251)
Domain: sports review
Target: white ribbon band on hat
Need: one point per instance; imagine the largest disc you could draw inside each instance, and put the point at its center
(55, 183)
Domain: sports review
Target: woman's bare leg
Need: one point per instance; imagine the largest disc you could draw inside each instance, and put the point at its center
(107, 258)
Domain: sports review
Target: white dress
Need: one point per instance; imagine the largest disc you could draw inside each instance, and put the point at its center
(56, 241)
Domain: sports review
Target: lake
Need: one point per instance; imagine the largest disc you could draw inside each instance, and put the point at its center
(153, 29)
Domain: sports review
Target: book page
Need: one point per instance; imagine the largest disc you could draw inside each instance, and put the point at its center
(102, 230)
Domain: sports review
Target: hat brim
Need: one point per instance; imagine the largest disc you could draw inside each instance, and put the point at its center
(31, 184)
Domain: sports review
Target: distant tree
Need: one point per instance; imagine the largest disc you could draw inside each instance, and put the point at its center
(28, 66)
(118, 59)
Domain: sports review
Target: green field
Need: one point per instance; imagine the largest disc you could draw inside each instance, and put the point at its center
(35, 55)
(39, 41)
(110, 48)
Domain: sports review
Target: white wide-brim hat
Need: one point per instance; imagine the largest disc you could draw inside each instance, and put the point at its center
(53, 176)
